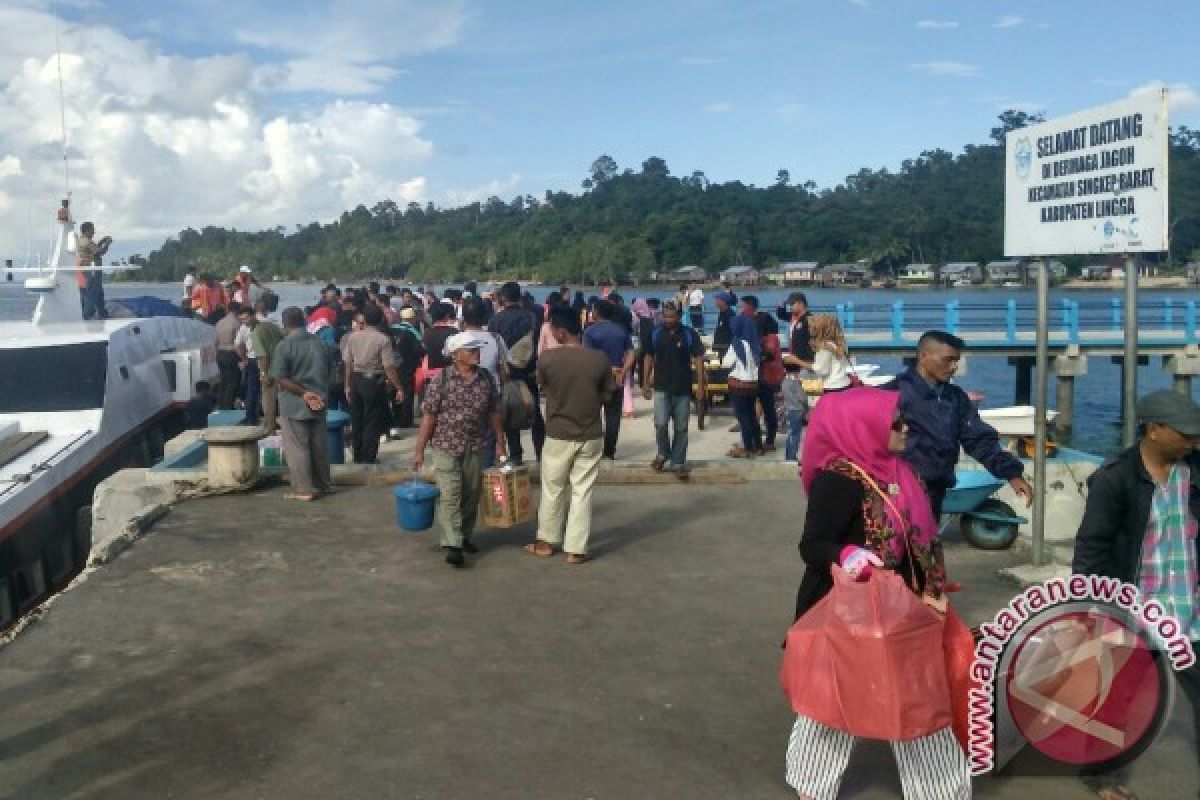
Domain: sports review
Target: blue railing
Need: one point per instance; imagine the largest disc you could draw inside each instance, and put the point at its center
(1012, 321)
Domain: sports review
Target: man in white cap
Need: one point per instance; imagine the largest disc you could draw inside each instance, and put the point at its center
(459, 406)
(1140, 525)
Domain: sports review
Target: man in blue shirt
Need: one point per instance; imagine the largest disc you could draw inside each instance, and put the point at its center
(941, 419)
(614, 340)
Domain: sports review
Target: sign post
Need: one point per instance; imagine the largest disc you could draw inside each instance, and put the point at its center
(1088, 183)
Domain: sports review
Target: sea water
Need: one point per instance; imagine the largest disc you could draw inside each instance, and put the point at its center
(1097, 394)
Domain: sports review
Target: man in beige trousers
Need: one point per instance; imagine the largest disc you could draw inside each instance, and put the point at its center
(576, 382)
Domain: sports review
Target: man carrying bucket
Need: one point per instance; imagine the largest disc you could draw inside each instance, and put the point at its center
(459, 405)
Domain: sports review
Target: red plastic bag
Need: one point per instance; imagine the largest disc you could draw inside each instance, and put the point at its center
(868, 660)
(959, 648)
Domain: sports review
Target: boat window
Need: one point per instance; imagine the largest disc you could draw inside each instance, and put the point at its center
(65, 377)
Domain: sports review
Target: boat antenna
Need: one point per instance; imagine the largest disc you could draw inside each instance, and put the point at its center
(62, 100)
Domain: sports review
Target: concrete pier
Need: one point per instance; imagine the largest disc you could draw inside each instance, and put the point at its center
(1067, 367)
(1183, 368)
(254, 647)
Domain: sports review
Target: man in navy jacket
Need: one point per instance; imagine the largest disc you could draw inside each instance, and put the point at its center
(941, 419)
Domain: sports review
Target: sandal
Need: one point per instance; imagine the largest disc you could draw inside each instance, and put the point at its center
(739, 452)
(307, 498)
(577, 558)
(540, 549)
(1117, 792)
(657, 463)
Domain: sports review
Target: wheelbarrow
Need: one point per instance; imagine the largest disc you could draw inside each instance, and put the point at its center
(985, 522)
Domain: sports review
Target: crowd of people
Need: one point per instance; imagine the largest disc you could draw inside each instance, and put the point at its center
(471, 369)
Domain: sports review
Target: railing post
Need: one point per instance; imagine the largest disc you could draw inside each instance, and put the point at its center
(1116, 313)
(840, 311)
(1066, 313)
(1168, 313)
(1073, 324)
(898, 321)
(1010, 320)
(949, 317)
(1190, 322)
(849, 326)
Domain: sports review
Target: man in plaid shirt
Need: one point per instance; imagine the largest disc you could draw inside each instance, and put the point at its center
(1140, 525)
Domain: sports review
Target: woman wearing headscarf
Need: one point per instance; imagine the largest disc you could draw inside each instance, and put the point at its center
(742, 359)
(868, 510)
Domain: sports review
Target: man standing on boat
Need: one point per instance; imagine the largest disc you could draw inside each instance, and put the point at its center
(302, 365)
(89, 253)
(941, 419)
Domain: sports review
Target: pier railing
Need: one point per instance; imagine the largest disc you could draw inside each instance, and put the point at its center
(1012, 321)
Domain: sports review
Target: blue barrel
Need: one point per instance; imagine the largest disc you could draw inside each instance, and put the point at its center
(335, 422)
(415, 502)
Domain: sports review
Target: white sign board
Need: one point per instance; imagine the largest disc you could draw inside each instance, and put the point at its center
(1092, 182)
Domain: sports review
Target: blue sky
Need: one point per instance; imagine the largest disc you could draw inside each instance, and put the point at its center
(303, 108)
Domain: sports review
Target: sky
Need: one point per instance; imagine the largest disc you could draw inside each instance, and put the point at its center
(260, 113)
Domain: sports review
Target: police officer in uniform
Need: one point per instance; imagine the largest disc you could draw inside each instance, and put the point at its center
(370, 364)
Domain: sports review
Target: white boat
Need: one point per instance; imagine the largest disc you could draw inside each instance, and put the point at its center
(1014, 420)
(78, 401)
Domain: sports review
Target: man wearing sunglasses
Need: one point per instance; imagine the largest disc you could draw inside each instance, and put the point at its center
(1140, 525)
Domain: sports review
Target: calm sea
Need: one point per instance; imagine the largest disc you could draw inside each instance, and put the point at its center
(1096, 398)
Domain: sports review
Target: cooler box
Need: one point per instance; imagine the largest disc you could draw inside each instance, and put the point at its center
(507, 497)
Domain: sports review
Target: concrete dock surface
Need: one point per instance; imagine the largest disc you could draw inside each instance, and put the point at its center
(253, 647)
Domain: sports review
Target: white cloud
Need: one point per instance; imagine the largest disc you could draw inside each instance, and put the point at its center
(1181, 98)
(720, 107)
(1008, 21)
(500, 187)
(346, 47)
(936, 24)
(700, 61)
(165, 142)
(1028, 106)
(953, 69)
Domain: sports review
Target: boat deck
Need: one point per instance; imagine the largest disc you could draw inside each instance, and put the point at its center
(16, 445)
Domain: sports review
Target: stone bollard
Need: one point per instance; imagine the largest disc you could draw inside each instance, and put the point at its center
(233, 456)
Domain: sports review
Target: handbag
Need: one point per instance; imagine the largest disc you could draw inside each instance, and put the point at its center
(868, 660)
(813, 387)
(742, 388)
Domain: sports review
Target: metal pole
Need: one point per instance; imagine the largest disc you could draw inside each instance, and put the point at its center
(1041, 369)
(1129, 375)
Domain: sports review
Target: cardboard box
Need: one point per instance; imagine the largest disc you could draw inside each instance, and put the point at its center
(507, 498)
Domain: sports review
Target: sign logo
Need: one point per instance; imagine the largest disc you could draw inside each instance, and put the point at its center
(1077, 668)
(1023, 157)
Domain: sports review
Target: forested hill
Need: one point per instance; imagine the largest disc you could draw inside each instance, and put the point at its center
(627, 223)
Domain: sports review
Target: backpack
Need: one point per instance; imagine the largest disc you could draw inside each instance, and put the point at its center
(521, 353)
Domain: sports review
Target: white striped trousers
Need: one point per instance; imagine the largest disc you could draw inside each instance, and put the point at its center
(932, 767)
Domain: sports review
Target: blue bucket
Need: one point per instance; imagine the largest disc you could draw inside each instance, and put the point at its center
(415, 502)
(335, 421)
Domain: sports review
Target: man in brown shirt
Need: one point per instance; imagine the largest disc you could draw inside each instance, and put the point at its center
(576, 382)
(228, 363)
(369, 361)
(460, 404)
